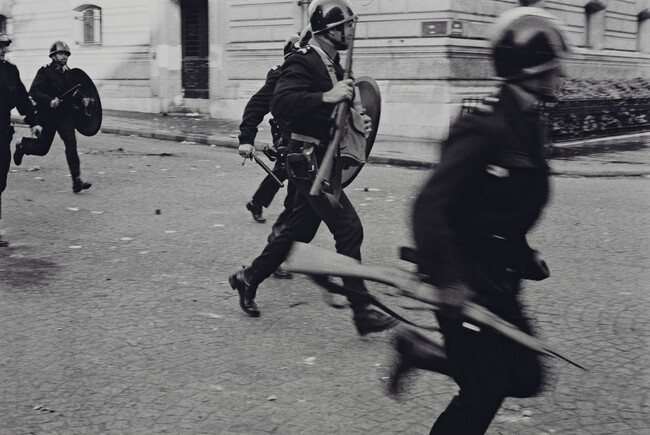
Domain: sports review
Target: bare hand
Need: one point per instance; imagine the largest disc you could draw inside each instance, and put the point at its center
(36, 130)
(86, 101)
(367, 122)
(246, 150)
(55, 103)
(341, 91)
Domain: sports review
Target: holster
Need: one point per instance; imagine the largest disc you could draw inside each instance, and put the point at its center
(301, 161)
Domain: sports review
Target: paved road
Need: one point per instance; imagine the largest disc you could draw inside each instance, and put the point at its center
(116, 319)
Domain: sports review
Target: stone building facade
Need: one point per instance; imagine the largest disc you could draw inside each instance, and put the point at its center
(210, 56)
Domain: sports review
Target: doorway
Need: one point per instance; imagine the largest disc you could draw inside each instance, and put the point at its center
(195, 48)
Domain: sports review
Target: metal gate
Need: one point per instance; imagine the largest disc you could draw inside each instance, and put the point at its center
(194, 31)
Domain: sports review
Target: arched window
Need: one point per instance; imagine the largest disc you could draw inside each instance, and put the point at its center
(90, 19)
(3, 24)
(595, 24)
(643, 35)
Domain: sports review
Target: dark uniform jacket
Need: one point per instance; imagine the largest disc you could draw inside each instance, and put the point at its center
(47, 85)
(471, 218)
(13, 94)
(257, 108)
(298, 97)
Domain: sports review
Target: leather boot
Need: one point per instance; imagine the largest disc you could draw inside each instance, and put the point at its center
(245, 283)
(368, 320)
(78, 185)
(18, 154)
(256, 211)
(415, 351)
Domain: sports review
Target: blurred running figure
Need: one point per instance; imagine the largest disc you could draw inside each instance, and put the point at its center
(470, 222)
(12, 94)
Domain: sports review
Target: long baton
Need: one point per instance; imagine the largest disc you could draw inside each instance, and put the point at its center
(69, 90)
(313, 260)
(266, 168)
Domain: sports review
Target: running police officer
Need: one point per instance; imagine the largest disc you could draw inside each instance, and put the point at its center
(55, 113)
(305, 98)
(12, 94)
(471, 218)
(256, 108)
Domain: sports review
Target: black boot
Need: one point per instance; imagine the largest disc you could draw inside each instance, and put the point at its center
(415, 351)
(368, 320)
(78, 185)
(18, 154)
(245, 283)
(256, 211)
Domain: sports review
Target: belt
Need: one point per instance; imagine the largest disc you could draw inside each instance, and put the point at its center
(304, 138)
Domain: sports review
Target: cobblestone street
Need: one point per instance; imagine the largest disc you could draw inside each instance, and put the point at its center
(117, 317)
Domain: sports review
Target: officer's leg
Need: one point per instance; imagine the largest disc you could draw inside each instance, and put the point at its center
(67, 133)
(487, 368)
(345, 225)
(302, 226)
(478, 371)
(283, 217)
(35, 147)
(5, 158)
(5, 162)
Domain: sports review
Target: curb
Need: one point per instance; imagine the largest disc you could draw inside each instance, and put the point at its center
(227, 142)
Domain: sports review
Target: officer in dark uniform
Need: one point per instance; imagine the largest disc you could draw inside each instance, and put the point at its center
(12, 94)
(55, 114)
(256, 108)
(304, 98)
(471, 219)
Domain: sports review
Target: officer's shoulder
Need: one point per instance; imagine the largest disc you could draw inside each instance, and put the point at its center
(10, 65)
(304, 50)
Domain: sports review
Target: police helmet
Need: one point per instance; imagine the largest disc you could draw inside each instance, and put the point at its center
(325, 14)
(59, 47)
(4, 39)
(527, 41)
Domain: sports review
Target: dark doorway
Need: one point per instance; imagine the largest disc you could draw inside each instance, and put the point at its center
(194, 31)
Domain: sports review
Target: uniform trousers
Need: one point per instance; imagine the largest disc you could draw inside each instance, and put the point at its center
(6, 134)
(488, 368)
(65, 127)
(306, 216)
(269, 187)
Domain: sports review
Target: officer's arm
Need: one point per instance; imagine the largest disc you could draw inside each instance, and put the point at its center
(256, 108)
(439, 204)
(23, 103)
(293, 96)
(39, 87)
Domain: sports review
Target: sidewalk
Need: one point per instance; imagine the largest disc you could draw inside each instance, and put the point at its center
(392, 150)
(627, 155)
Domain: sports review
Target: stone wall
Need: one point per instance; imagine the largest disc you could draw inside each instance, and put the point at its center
(426, 55)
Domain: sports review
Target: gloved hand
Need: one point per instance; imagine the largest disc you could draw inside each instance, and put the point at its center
(246, 150)
(36, 130)
(367, 122)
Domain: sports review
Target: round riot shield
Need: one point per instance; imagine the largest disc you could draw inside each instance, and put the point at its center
(371, 102)
(87, 117)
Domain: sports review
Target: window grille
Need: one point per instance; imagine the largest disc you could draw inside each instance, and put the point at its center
(90, 21)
